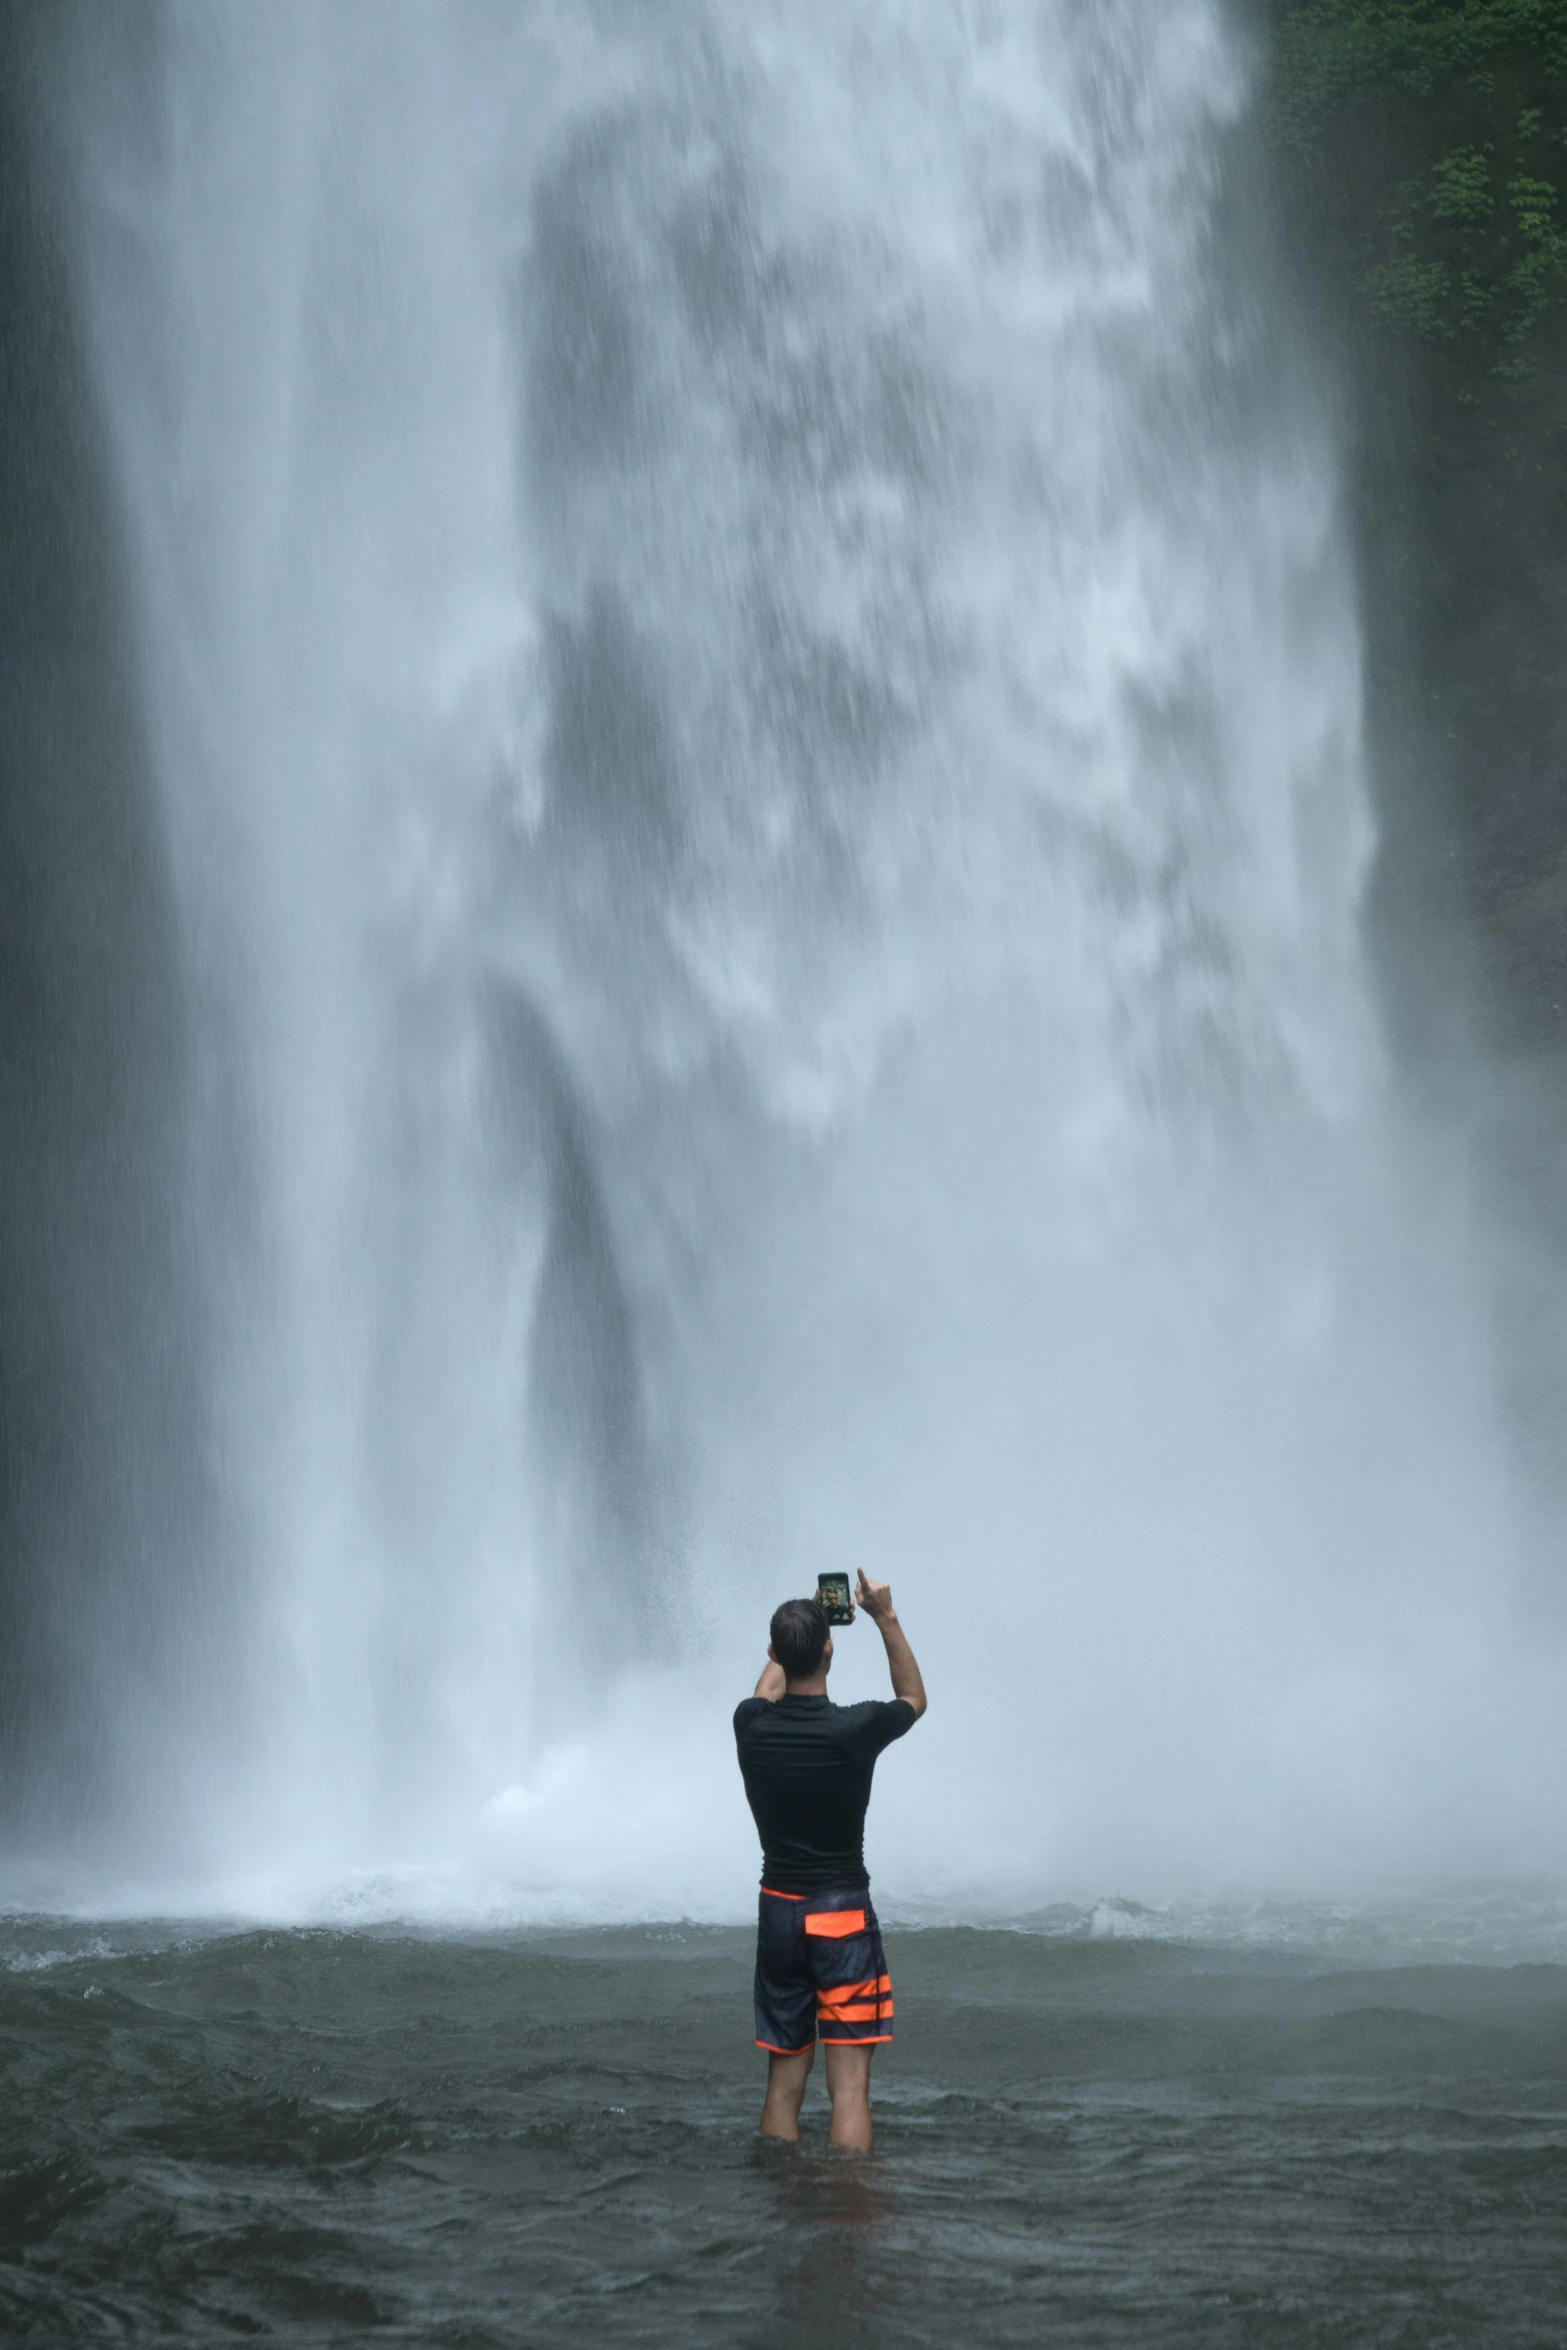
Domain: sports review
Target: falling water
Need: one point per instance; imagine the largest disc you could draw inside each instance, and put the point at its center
(753, 674)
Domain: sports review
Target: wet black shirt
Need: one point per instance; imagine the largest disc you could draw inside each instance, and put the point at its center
(807, 1766)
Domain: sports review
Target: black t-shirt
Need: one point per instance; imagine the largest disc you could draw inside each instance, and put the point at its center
(807, 1766)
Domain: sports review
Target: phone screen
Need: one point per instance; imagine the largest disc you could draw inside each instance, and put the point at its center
(833, 1592)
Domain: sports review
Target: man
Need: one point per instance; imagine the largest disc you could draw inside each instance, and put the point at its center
(820, 1967)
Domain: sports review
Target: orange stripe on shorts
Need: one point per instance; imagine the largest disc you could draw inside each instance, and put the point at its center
(835, 1994)
(835, 1923)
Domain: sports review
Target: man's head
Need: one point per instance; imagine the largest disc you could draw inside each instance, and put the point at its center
(799, 1639)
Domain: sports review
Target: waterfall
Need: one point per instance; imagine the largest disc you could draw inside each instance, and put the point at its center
(752, 672)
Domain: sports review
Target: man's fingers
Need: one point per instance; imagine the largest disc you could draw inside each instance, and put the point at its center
(875, 1598)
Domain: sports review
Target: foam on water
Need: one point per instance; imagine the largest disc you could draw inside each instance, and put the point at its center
(756, 687)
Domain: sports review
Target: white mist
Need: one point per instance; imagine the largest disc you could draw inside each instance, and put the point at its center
(756, 684)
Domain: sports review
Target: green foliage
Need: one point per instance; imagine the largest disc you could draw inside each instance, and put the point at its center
(1329, 52)
(1537, 276)
(1468, 255)
(1461, 189)
(1428, 140)
(1406, 291)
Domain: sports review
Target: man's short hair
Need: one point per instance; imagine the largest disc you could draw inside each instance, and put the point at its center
(799, 1634)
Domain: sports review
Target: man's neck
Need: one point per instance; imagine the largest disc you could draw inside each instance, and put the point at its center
(816, 1686)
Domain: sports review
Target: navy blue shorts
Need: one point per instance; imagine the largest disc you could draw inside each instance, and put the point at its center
(820, 1971)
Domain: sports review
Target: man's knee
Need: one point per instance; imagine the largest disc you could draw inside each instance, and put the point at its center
(787, 2075)
(849, 2068)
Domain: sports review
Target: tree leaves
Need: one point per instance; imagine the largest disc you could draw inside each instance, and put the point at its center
(1427, 142)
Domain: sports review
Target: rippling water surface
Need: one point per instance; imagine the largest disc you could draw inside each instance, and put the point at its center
(1316, 2130)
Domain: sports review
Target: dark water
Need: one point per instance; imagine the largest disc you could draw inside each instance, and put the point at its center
(319, 2136)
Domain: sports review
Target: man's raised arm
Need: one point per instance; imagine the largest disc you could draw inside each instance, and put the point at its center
(876, 1600)
(772, 1683)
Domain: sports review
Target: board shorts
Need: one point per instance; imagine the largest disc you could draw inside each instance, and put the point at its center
(820, 1971)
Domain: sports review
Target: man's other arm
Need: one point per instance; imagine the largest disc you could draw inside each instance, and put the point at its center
(876, 1600)
(772, 1683)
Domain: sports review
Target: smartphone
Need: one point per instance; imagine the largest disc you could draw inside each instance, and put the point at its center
(833, 1592)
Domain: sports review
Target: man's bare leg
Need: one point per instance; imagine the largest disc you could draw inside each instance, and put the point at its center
(849, 2087)
(786, 2079)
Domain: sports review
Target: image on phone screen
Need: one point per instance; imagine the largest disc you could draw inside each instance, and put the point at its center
(833, 1592)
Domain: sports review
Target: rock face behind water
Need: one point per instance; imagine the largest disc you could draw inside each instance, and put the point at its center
(1421, 160)
(95, 1418)
(1423, 169)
